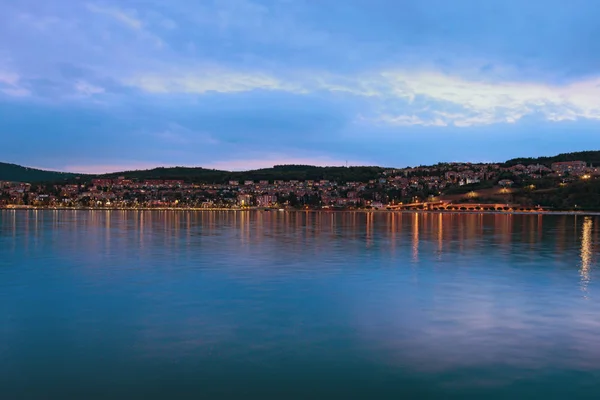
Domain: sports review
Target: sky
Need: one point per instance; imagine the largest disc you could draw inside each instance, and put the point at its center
(98, 86)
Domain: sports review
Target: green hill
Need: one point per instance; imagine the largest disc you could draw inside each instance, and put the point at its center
(17, 173)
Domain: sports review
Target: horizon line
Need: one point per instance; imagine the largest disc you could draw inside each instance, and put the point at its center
(77, 170)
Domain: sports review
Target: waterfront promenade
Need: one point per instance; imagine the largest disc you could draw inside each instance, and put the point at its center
(304, 210)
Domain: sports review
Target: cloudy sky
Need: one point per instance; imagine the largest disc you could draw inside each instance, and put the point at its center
(110, 85)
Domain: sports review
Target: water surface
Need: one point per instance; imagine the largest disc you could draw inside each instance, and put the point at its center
(141, 304)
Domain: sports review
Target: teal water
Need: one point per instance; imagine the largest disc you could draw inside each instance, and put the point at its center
(124, 305)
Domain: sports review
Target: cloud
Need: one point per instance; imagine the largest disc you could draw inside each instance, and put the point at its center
(88, 89)
(399, 97)
(130, 20)
(10, 85)
(485, 102)
(208, 80)
(408, 120)
(479, 102)
(9, 78)
(118, 15)
(16, 92)
(245, 46)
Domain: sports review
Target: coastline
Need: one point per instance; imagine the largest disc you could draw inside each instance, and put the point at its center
(275, 210)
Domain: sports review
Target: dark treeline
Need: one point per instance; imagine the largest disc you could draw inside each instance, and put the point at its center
(583, 195)
(587, 156)
(278, 172)
(17, 173)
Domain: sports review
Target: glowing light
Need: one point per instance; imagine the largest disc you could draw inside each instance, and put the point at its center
(586, 252)
(415, 237)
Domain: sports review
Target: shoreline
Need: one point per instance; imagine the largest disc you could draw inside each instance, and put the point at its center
(275, 210)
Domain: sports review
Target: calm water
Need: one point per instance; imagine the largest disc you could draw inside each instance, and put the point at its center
(298, 305)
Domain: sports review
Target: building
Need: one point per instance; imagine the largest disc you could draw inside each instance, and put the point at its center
(174, 183)
(102, 182)
(266, 200)
(152, 183)
(378, 205)
(569, 166)
(245, 200)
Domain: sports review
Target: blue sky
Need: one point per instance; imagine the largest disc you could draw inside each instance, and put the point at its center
(110, 85)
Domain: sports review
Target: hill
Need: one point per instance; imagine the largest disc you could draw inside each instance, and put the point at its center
(278, 172)
(587, 156)
(17, 173)
(192, 174)
(308, 172)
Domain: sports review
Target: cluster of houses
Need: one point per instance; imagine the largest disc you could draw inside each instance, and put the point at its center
(393, 186)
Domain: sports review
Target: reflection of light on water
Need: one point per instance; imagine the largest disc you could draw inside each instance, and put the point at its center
(586, 252)
(415, 243)
(245, 227)
(107, 222)
(393, 227)
(188, 224)
(440, 234)
(369, 229)
(141, 229)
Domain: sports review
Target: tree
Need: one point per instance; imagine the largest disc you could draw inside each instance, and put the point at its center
(293, 200)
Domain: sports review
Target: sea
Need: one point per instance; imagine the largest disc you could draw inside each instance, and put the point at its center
(298, 305)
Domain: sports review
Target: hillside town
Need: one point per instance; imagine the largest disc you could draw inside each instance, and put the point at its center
(430, 187)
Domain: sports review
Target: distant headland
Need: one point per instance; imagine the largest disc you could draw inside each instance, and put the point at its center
(565, 182)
